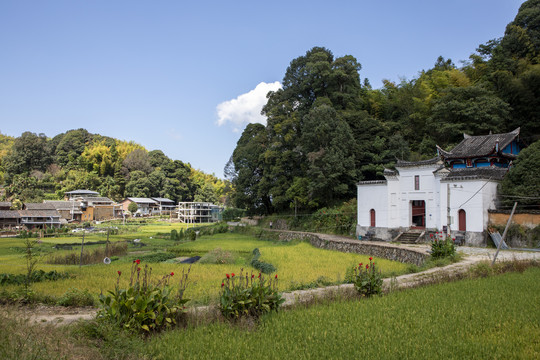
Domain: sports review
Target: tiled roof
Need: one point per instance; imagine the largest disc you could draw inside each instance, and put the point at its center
(97, 199)
(63, 205)
(371, 182)
(38, 213)
(82, 192)
(5, 204)
(163, 200)
(9, 214)
(142, 200)
(39, 206)
(476, 146)
(432, 161)
(486, 173)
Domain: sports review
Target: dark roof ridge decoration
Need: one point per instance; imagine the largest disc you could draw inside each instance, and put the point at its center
(371, 182)
(482, 145)
(432, 161)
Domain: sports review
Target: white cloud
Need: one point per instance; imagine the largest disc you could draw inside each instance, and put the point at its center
(246, 108)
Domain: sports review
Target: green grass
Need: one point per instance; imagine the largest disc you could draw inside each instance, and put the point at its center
(298, 264)
(491, 318)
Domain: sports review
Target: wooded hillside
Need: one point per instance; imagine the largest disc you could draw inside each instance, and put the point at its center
(327, 128)
(34, 167)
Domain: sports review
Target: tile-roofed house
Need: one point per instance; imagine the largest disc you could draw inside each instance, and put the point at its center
(482, 151)
(39, 218)
(9, 218)
(145, 206)
(69, 210)
(5, 205)
(165, 206)
(69, 195)
(417, 194)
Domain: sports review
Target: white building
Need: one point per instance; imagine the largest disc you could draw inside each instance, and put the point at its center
(454, 189)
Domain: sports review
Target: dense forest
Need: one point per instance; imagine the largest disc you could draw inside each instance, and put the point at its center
(34, 167)
(327, 128)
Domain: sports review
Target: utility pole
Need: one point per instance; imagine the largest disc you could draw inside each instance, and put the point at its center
(448, 217)
(82, 248)
(504, 234)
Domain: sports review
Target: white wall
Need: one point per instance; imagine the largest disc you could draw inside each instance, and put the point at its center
(428, 192)
(373, 196)
(473, 196)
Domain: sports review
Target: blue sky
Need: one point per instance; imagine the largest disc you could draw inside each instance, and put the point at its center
(186, 77)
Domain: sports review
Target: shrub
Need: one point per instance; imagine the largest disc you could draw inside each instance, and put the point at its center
(157, 257)
(263, 267)
(218, 256)
(76, 297)
(367, 280)
(144, 306)
(35, 276)
(245, 295)
(442, 248)
(174, 235)
(89, 257)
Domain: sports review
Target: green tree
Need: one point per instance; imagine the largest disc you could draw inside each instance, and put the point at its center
(29, 152)
(328, 144)
(472, 110)
(521, 182)
(248, 163)
(133, 207)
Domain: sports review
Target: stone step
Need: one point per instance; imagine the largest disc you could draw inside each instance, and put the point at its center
(409, 237)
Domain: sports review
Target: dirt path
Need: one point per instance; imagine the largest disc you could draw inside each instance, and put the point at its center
(57, 315)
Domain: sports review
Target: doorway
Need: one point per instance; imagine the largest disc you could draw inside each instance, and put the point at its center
(462, 218)
(418, 220)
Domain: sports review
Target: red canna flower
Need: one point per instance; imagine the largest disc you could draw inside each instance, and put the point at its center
(360, 265)
(227, 275)
(430, 235)
(119, 273)
(138, 269)
(259, 275)
(252, 276)
(138, 261)
(222, 284)
(367, 267)
(172, 273)
(370, 258)
(232, 275)
(276, 276)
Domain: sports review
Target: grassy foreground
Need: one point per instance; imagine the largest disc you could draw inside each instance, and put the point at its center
(485, 318)
(492, 318)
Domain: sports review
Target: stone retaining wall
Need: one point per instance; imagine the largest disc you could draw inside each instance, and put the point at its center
(338, 243)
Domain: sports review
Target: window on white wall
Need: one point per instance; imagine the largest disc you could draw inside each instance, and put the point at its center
(416, 182)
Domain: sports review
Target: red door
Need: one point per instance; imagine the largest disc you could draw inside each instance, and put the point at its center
(372, 216)
(462, 220)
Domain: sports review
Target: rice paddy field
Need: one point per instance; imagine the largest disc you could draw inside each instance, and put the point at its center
(299, 265)
(486, 318)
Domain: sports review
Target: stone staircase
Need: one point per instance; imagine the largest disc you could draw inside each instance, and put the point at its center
(410, 237)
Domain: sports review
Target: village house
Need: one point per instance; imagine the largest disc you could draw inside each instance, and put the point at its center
(145, 206)
(5, 205)
(198, 212)
(31, 219)
(96, 208)
(71, 195)
(452, 191)
(165, 206)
